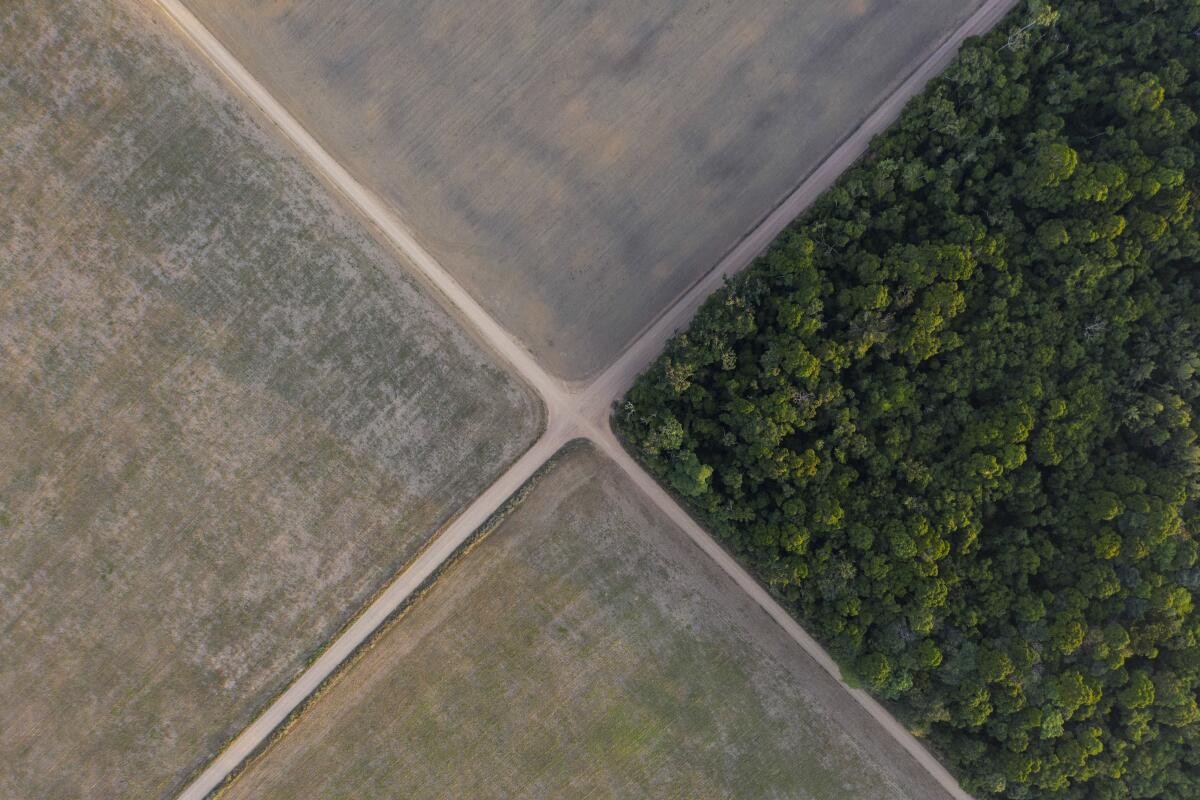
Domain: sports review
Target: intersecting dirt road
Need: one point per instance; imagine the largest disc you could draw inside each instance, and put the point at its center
(573, 410)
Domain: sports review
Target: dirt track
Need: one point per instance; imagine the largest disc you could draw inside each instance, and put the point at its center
(573, 411)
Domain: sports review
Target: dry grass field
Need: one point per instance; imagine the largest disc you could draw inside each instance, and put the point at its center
(226, 417)
(585, 649)
(577, 165)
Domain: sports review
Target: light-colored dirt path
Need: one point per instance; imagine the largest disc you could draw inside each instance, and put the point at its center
(371, 207)
(572, 410)
(441, 548)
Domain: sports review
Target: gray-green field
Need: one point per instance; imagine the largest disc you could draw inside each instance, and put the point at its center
(585, 649)
(579, 164)
(226, 417)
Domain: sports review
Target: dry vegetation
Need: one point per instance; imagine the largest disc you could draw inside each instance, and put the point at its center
(225, 416)
(577, 165)
(585, 649)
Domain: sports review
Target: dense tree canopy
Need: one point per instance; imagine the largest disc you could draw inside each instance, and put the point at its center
(950, 415)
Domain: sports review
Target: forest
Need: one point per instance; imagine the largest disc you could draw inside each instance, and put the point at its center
(950, 416)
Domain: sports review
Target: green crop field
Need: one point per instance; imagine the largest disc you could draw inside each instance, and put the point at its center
(226, 417)
(578, 165)
(586, 648)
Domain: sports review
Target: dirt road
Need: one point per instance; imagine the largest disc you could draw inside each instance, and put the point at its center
(572, 410)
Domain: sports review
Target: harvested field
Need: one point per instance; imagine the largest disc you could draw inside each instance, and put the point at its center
(586, 648)
(578, 165)
(226, 416)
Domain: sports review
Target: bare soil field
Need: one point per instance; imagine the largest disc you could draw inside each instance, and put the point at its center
(226, 416)
(586, 648)
(577, 165)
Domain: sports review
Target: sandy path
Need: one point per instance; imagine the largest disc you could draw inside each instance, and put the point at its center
(573, 410)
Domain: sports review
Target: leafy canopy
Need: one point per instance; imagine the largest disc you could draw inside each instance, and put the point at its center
(950, 415)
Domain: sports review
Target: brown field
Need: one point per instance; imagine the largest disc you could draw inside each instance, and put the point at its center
(585, 649)
(226, 417)
(577, 165)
